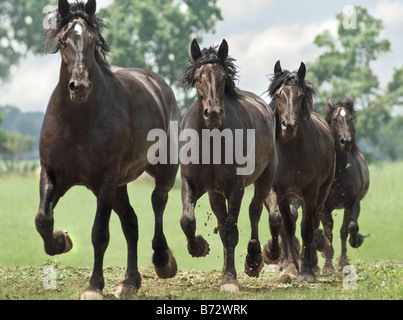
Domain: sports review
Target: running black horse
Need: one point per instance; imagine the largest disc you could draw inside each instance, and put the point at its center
(351, 181)
(95, 134)
(229, 115)
(305, 170)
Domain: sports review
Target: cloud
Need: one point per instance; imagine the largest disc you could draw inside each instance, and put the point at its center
(257, 53)
(391, 12)
(32, 83)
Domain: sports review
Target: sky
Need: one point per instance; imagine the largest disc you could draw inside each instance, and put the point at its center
(259, 32)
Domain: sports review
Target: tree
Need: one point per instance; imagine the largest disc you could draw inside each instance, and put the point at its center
(395, 89)
(156, 35)
(344, 70)
(20, 31)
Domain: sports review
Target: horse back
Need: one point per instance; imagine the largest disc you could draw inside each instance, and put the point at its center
(148, 94)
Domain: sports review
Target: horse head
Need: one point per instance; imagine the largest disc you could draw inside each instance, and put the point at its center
(292, 98)
(340, 115)
(78, 37)
(212, 73)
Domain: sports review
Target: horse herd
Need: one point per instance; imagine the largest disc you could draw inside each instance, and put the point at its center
(95, 134)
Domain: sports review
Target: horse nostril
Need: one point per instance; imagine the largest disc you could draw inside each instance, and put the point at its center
(206, 113)
(72, 86)
(342, 141)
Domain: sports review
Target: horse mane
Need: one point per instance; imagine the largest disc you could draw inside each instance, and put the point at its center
(292, 79)
(210, 55)
(348, 104)
(95, 24)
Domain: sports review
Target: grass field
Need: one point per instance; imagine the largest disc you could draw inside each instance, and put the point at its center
(21, 248)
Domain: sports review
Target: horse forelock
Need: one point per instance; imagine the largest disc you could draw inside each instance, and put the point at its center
(210, 56)
(287, 78)
(336, 106)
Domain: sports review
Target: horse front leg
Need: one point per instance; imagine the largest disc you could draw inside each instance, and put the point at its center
(254, 259)
(229, 282)
(100, 236)
(356, 239)
(327, 222)
(309, 225)
(55, 242)
(197, 246)
(271, 250)
(128, 220)
(291, 252)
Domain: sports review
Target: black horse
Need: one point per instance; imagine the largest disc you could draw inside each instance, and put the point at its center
(229, 113)
(351, 181)
(95, 134)
(305, 170)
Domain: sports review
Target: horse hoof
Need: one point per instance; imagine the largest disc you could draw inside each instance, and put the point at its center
(68, 242)
(199, 247)
(61, 244)
(289, 271)
(270, 256)
(169, 270)
(229, 284)
(328, 269)
(125, 291)
(252, 266)
(306, 277)
(92, 293)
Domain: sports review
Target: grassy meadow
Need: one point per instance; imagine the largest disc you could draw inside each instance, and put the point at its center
(21, 246)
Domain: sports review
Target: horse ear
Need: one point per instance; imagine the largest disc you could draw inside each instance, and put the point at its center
(330, 103)
(91, 7)
(277, 68)
(64, 8)
(195, 52)
(302, 72)
(223, 50)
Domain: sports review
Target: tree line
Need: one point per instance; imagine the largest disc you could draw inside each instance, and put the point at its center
(156, 35)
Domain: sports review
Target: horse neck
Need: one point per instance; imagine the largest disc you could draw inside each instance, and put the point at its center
(341, 157)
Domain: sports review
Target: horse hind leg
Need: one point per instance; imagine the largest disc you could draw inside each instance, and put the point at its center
(55, 242)
(128, 220)
(164, 262)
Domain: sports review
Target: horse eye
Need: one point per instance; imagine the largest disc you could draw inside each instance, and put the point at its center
(61, 43)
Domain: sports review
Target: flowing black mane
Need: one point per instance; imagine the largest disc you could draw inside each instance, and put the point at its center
(210, 55)
(292, 79)
(95, 24)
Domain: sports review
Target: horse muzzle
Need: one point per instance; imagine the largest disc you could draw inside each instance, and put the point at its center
(213, 118)
(289, 130)
(80, 90)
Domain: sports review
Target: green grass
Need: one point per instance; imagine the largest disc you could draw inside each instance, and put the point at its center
(21, 245)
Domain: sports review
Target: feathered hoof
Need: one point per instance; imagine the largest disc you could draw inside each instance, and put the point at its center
(199, 247)
(270, 256)
(125, 291)
(169, 270)
(92, 293)
(306, 277)
(229, 284)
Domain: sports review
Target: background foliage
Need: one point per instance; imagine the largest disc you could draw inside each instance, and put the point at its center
(156, 35)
